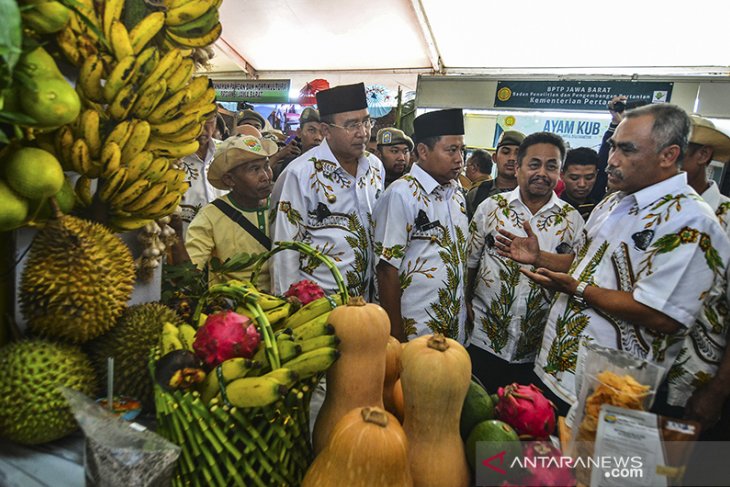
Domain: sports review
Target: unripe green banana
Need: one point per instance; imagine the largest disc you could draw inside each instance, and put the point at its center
(319, 342)
(312, 310)
(313, 362)
(230, 370)
(252, 392)
(313, 328)
(186, 333)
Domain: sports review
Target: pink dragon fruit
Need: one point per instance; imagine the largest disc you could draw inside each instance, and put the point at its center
(305, 291)
(226, 335)
(527, 410)
(544, 466)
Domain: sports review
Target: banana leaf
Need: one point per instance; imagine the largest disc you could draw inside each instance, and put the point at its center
(10, 41)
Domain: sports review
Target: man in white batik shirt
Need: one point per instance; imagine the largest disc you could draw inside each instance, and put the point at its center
(693, 379)
(420, 235)
(508, 309)
(654, 252)
(326, 197)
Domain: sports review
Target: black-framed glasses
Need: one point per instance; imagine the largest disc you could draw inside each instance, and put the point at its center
(352, 128)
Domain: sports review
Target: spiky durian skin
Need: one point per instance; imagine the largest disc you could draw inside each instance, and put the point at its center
(77, 281)
(32, 408)
(129, 343)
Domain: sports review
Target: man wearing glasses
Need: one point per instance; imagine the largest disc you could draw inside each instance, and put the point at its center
(326, 196)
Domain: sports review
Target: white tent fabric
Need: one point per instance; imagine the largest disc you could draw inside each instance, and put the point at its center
(273, 39)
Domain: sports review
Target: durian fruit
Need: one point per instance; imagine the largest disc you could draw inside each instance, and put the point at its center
(32, 408)
(77, 281)
(129, 343)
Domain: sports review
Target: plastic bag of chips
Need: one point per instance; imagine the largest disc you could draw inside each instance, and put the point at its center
(608, 376)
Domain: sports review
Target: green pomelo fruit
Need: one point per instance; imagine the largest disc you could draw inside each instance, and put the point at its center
(34, 173)
(52, 102)
(13, 208)
(478, 407)
(498, 435)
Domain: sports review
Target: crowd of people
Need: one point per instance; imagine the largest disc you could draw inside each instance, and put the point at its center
(627, 247)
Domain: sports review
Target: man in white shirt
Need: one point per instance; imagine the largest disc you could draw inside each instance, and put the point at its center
(326, 197)
(697, 377)
(420, 235)
(507, 308)
(654, 252)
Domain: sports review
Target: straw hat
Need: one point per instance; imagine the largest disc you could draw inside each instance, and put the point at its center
(235, 151)
(705, 133)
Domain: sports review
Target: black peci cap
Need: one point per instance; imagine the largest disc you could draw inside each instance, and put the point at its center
(345, 98)
(440, 122)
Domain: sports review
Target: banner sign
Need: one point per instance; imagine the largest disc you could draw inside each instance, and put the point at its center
(577, 95)
(576, 131)
(253, 90)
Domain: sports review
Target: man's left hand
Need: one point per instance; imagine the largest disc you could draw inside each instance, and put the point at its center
(554, 281)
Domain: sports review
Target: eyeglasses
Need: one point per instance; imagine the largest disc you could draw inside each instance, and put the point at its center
(352, 128)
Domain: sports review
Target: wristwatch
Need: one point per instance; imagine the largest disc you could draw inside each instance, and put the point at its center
(582, 285)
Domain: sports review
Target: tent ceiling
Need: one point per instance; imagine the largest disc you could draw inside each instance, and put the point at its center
(473, 35)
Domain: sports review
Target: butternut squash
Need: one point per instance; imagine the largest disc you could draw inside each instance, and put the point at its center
(367, 448)
(398, 400)
(392, 372)
(435, 378)
(356, 378)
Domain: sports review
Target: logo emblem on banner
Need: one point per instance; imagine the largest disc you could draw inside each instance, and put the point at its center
(504, 94)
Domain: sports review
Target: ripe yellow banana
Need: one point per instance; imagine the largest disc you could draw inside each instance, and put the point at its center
(120, 133)
(189, 132)
(172, 150)
(145, 30)
(146, 62)
(170, 60)
(181, 76)
(111, 158)
(186, 333)
(157, 168)
(313, 362)
(149, 99)
(198, 27)
(80, 158)
(90, 131)
(278, 314)
(162, 207)
(252, 392)
(64, 141)
(121, 45)
(129, 193)
(139, 165)
(312, 310)
(169, 107)
(284, 376)
(119, 77)
(269, 302)
(124, 101)
(174, 178)
(83, 190)
(314, 328)
(187, 12)
(137, 141)
(124, 224)
(175, 126)
(69, 44)
(111, 186)
(112, 11)
(198, 86)
(195, 42)
(154, 193)
(319, 342)
(231, 369)
(90, 78)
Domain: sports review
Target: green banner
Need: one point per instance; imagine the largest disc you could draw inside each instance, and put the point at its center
(253, 90)
(577, 95)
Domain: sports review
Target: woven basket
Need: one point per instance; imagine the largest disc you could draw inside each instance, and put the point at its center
(227, 446)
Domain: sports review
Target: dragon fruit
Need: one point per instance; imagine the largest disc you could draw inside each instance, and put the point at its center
(544, 466)
(527, 410)
(305, 291)
(225, 335)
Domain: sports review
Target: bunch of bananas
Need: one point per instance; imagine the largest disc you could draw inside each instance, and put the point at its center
(144, 108)
(192, 23)
(306, 346)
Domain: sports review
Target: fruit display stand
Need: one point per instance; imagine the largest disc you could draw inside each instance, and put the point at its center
(224, 445)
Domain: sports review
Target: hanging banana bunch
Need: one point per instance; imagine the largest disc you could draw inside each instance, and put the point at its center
(143, 106)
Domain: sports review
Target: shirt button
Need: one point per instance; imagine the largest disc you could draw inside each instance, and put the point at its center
(331, 198)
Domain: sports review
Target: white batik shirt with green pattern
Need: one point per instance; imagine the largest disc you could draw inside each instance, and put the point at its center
(704, 346)
(664, 245)
(510, 309)
(421, 229)
(317, 202)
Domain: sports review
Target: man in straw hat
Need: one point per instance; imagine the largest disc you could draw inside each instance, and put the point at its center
(326, 197)
(238, 221)
(700, 377)
(420, 235)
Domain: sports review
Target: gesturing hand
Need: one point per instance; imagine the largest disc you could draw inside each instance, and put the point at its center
(554, 281)
(524, 250)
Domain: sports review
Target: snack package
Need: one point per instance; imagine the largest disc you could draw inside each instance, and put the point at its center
(612, 377)
(119, 453)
